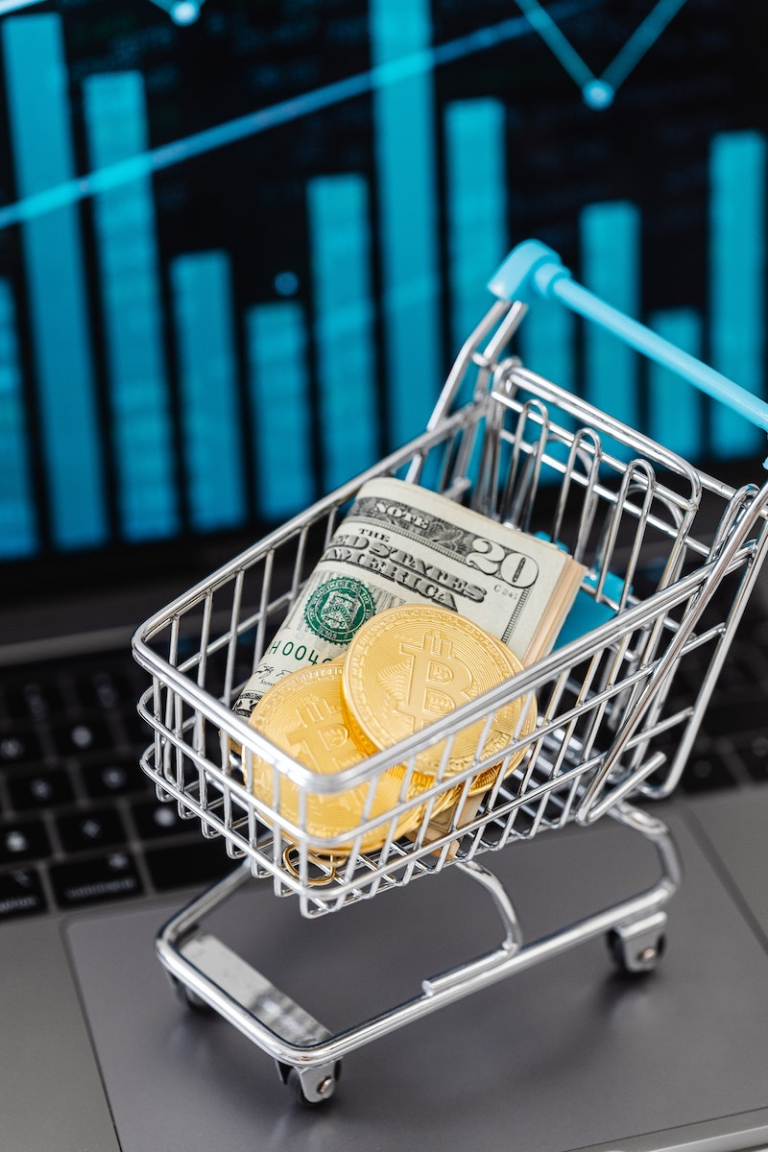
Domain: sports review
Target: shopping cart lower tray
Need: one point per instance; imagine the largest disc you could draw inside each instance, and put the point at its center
(671, 556)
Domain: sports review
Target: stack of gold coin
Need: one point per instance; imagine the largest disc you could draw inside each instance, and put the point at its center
(303, 714)
(404, 669)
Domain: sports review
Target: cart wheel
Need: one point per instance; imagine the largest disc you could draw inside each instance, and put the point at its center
(189, 998)
(323, 1090)
(633, 957)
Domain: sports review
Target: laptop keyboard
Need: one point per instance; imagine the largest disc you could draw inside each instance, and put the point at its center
(79, 820)
(732, 746)
(80, 823)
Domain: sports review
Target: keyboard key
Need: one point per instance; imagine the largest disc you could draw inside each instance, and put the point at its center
(736, 714)
(41, 790)
(110, 877)
(114, 778)
(754, 754)
(102, 688)
(155, 820)
(138, 730)
(735, 675)
(34, 699)
(21, 894)
(188, 864)
(101, 828)
(74, 738)
(704, 773)
(23, 840)
(19, 747)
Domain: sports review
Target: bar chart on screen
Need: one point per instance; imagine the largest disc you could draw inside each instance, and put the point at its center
(232, 398)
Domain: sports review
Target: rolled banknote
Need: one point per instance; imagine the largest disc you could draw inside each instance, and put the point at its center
(401, 544)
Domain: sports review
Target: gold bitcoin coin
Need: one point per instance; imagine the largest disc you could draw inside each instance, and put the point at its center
(303, 715)
(486, 779)
(411, 665)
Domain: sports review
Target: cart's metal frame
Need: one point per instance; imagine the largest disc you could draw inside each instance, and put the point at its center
(206, 972)
(604, 698)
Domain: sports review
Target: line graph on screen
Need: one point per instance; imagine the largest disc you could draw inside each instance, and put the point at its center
(599, 92)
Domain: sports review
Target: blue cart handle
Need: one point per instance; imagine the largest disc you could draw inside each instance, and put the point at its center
(533, 268)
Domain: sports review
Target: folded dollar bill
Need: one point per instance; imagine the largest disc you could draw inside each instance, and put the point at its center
(401, 544)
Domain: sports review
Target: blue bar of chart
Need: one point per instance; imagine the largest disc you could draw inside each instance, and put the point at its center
(276, 343)
(737, 278)
(674, 406)
(130, 287)
(18, 528)
(36, 86)
(476, 208)
(211, 424)
(130, 380)
(340, 243)
(610, 256)
(547, 342)
(404, 125)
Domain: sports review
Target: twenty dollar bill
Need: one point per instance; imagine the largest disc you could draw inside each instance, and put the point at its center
(401, 544)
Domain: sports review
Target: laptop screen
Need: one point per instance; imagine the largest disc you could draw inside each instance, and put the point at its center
(240, 244)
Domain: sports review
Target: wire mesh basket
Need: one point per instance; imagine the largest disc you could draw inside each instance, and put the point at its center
(670, 556)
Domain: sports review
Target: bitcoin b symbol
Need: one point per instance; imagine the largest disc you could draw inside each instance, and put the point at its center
(439, 680)
(322, 735)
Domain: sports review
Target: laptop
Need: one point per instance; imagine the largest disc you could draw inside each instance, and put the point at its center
(97, 1050)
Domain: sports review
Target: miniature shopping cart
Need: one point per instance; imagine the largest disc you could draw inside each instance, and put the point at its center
(671, 556)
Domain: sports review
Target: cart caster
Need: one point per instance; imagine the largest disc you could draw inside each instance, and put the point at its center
(313, 1086)
(637, 948)
(189, 998)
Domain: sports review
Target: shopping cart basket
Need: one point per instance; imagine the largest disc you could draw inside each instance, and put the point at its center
(658, 540)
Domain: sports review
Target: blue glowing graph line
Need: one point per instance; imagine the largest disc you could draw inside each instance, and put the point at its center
(541, 22)
(166, 5)
(8, 6)
(598, 91)
(182, 12)
(253, 123)
(644, 37)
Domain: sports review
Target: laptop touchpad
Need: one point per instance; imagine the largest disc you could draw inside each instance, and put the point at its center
(562, 1055)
